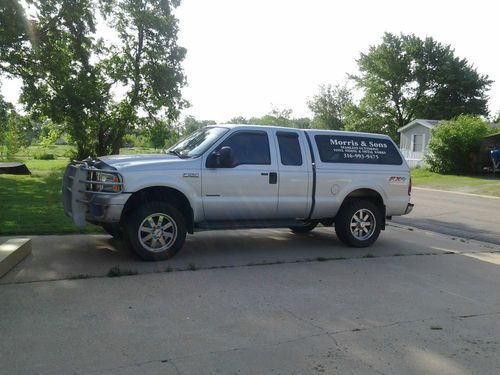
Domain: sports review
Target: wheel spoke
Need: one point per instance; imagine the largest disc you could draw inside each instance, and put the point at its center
(160, 220)
(153, 243)
(162, 241)
(148, 237)
(166, 226)
(146, 229)
(151, 222)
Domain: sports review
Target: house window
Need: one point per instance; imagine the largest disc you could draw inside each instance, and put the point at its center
(418, 143)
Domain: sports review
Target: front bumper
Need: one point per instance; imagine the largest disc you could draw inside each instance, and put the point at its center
(409, 208)
(82, 202)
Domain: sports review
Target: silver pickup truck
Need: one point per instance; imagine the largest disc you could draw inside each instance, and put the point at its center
(243, 176)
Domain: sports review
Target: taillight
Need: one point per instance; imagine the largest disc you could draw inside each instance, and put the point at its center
(409, 187)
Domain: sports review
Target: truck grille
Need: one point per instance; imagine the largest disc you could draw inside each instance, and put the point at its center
(82, 181)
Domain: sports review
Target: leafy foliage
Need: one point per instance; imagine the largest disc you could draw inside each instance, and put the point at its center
(406, 77)
(191, 124)
(70, 76)
(14, 134)
(453, 142)
(276, 117)
(329, 107)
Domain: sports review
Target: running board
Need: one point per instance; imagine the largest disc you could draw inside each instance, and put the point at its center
(247, 224)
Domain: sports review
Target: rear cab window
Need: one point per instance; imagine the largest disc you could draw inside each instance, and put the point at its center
(289, 148)
(352, 149)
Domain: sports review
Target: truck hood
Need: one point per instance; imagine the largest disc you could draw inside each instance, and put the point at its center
(125, 161)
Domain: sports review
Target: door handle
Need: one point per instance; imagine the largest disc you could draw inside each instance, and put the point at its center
(273, 178)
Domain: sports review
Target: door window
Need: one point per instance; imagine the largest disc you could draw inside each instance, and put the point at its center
(249, 147)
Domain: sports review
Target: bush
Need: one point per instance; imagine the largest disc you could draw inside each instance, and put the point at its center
(44, 156)
(453, 144)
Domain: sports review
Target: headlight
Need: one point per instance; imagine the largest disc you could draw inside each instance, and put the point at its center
(109, 182)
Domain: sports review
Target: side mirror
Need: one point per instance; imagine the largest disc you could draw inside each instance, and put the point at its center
(224, 158)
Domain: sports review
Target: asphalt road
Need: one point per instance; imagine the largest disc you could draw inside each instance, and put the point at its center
(460, 215)
(255, 302)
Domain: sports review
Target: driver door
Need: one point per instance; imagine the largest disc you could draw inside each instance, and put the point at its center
(248, 190)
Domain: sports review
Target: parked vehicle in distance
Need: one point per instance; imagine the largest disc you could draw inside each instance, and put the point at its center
(243, 176)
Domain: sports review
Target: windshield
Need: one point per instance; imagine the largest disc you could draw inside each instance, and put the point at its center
(197, 143)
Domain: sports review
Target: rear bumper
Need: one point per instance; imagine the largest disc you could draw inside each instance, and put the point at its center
(409, 208)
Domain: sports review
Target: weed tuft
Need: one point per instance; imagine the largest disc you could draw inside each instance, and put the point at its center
(80, 276)
(116, 271)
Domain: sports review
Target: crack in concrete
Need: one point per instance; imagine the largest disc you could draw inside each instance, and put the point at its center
(475, 315)
(308, 322)
(330, 334)
(324, 332)
(169, 269)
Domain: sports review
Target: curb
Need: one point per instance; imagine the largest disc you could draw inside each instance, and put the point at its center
(456, 192)
(12, 252)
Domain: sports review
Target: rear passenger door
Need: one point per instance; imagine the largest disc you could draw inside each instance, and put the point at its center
(295, 175)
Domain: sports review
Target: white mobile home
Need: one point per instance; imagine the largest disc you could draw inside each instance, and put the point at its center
(414, 139)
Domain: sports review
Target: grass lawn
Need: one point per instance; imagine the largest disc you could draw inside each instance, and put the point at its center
(33, 204)
(485, 185)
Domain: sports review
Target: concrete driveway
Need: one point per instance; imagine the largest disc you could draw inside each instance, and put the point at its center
(461, 215)
(255, 302)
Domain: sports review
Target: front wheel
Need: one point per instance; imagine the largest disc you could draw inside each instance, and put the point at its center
(358, 223)
(155, 230)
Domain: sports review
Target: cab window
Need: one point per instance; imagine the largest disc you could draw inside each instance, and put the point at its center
(249, 147)
(290, 153)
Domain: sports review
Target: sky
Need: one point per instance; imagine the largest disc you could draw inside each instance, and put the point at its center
(246, 57)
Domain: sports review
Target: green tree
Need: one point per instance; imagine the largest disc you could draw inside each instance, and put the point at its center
(191, 124)
(15, 134)
(5, 109)
(276, 117)
(69, 74)
(146, 62)
(406, 77)
(329, 106)
(238, 120)
(52, 54)
(454, 142)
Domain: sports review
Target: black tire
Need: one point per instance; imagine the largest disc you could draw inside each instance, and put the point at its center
(303, 228)
(113, 229)
(358, 236)
(160, 245)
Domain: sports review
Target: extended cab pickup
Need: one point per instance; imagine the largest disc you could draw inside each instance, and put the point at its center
(243, 176)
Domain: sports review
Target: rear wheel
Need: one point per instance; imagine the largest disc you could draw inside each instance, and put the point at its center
(303, 228)
(155, 230)
(358, 223)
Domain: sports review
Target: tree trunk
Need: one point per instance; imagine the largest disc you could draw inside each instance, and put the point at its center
(117, 144)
